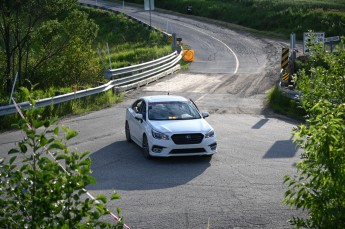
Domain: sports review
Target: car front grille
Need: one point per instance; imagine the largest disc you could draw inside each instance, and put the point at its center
(194, 150)
(183, 139)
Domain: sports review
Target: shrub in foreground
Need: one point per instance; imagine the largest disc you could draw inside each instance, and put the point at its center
(37, 191)
(319, 185)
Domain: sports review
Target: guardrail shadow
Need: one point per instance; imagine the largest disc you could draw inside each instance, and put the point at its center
(122, 166)
(282, 149)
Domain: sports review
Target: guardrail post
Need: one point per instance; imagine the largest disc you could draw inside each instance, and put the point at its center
(174, 42)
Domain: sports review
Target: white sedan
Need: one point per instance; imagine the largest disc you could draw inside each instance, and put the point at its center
(167, 125)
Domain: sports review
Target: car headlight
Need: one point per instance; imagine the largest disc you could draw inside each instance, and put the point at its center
(159, 135)
(210, 134)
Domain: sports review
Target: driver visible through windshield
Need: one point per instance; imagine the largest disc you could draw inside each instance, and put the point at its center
(172, 111)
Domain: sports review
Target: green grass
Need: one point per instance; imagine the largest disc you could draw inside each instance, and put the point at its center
(281, 104)
(129, 42)
(138, 55)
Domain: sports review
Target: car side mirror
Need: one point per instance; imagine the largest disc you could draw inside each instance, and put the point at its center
(138, 117)
(205, 114)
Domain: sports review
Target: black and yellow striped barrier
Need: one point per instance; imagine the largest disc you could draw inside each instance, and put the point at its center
(285, 58)
(285, 76)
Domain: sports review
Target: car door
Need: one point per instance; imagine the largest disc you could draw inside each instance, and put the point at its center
(136, 125)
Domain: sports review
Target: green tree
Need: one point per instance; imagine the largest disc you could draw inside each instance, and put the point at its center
(75, 63)
(319, 185)
(18, 22)
(37, 192)
(33, 34)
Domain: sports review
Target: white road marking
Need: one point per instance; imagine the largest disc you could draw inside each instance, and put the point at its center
(237, 62)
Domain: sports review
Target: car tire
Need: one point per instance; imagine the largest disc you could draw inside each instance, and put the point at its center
(146, 149)
(128, 133)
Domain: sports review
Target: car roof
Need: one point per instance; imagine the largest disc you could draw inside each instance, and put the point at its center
(163, 98)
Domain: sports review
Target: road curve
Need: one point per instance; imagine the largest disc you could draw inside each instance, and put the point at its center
(241, 186)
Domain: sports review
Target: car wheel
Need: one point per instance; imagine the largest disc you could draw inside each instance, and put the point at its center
(128, 133)
(146, 148)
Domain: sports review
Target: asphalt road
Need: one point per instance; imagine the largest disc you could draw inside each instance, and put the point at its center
(241, 186)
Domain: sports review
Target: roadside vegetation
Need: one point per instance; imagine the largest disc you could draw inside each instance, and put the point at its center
(318, 186)
(279, 16)
(59, 52)
(130, 43)
(42, 182)
(282, 104)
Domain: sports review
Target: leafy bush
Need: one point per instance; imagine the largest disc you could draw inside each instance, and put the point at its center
(37, 191)
(318, 186)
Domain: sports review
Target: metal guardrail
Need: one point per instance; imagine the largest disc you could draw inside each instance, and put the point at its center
(149, 72)
(109, 73)
(171, 65)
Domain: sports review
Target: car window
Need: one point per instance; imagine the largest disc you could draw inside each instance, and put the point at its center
(140, 108)
(172, 111)
(137, 105)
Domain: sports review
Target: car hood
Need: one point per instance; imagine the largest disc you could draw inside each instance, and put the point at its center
(181, 126)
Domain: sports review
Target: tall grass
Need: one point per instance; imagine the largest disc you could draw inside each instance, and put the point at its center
(284, 105)
(129, 42)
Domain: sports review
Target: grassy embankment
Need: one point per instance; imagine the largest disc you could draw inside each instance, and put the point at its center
(129, 42)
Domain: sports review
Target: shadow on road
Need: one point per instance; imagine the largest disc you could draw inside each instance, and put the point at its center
(260, 124)
(282, 149)
(122, 166)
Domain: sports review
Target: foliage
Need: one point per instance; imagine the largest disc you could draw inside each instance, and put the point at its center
(318, 187)
(62, 48)
(72, 65)
(280, 16)
(324, 80)
(34, 32)
(37, 191)
(80, 65)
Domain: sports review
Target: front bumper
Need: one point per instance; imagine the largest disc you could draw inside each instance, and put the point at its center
(167, 148)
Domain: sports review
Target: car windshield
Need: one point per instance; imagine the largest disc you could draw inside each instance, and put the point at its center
(172, 111)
